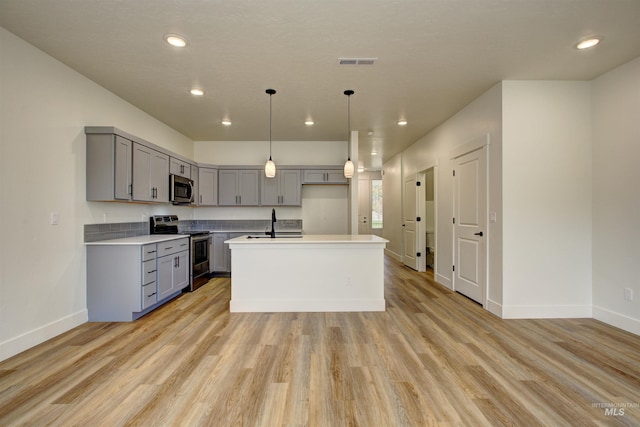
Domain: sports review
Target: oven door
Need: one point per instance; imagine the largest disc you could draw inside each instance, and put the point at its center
(200, 258)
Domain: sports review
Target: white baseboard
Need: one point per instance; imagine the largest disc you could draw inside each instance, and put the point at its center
(618, 320)
(546, 311)
(23, 342)
(494, 308)
(338, 305)
(444, 281)
(393, 255)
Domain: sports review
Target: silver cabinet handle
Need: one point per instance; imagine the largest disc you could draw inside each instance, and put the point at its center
(170, 247)
(130, 189)
(148, 296)
(201, 198)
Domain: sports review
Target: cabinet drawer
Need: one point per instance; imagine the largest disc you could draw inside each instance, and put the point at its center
(148, 252)
(149, 295)
(173, 246)
(148, 271)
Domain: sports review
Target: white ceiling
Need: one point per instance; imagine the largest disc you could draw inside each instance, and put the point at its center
(434, 57)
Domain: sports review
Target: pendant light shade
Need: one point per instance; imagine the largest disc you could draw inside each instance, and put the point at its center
(349, 168)
(270, 166)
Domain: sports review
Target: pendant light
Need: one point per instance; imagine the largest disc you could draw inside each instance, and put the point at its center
(270, 167)
(348, 165)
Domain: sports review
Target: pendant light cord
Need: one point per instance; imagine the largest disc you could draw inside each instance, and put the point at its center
(270, 125)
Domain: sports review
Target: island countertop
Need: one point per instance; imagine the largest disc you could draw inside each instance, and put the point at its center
(307, 238)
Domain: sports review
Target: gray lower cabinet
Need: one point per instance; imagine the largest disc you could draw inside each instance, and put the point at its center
(324, 176)
(285, 189)
(124, 282)
(151, 175)
(207, 186)
(108, 169)
(173, 267)
(220, 259)
(238, 187)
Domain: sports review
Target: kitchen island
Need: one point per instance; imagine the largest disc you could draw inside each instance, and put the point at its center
(311, 273)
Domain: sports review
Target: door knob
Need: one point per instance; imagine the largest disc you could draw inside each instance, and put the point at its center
(479, 233)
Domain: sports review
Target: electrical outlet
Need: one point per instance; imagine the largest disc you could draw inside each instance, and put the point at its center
(53, 219)
(348, 281)
(628, 294)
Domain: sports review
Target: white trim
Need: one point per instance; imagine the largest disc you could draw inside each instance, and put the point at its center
(618, 320)
(41, 334)
(393, 255)
(472, 145)
(444, 281)
(292, 305)
(494, 307)
(546, 311)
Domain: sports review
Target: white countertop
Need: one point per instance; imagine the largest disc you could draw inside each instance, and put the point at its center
(310, 238)
(138, 240)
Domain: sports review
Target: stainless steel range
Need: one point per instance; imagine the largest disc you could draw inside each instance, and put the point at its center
(199, 248)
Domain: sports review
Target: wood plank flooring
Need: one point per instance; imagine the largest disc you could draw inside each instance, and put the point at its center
(433, 358)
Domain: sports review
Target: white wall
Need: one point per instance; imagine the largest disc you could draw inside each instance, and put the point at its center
(324, 208)
(392, 206)
(546, 199)
(44, 106)
(616, 201)
(482, 116)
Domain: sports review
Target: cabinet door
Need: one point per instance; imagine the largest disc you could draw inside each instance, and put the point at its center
(178, 167)
(165, 276)
(227, 188)
(208, 187)
(181, 271)
(248, 187)
(160, 176)
(290, 188)
(313, 176)
(122, 168)
(336, 176)
(270, 190)
(195, 177)
(220, 255)
(142, 188)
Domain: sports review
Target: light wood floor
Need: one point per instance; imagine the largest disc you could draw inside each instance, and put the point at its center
(433, 358)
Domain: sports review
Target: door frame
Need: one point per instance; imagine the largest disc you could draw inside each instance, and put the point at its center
(480, 142)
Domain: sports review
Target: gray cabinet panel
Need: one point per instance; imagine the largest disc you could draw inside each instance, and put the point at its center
(108, 168)
(208, 187)
(324, 176)
(238, 187)
(179, 167)
(150, 174)
(284, 189)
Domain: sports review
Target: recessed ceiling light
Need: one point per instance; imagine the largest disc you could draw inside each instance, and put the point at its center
(196, 92)
(590, 42)
(360, 169)
(175, 40)
(309, 122)
(226, 122)
(402, 122)
(374, 153)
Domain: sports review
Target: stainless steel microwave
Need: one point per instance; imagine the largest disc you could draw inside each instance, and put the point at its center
(180, 189)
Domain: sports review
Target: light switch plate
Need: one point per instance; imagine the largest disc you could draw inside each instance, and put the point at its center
(493, 217)
(53, 219)
(628, 294)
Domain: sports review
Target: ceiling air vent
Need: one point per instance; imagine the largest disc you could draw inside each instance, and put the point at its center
(357, 61)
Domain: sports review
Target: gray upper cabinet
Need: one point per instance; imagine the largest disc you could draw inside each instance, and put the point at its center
(179, 167)
(108, 167)
(284, 189)
(207, 187)
(195, 177)
(150, 175)
(238, 187)
(324, 176)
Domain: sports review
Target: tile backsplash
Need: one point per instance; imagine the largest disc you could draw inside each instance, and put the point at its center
(97, 232)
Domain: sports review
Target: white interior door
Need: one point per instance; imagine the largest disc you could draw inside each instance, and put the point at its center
(364, 206)
(470, 189)
(409, 227)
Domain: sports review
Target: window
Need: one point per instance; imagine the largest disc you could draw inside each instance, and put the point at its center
(376, 203)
